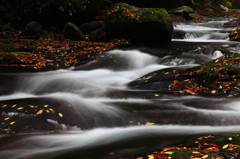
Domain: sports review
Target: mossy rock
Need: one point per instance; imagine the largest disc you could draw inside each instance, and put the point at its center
(87, 28)
(33, 28)
(235, 35)
(8, 28)
(140, 25)
(73, 32)
(220, 69)
(98, 35)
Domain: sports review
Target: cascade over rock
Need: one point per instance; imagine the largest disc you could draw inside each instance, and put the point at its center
(141, 25)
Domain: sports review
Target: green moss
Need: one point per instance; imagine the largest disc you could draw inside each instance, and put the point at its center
(8, 28)
(212, 70)
(7, 45)
(177, 154)
(130, 22)
(11, 56)
(193, 15)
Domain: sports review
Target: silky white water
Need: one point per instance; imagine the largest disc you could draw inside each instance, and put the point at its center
(108, 117)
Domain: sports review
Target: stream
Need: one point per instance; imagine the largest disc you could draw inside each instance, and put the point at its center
(89, 112)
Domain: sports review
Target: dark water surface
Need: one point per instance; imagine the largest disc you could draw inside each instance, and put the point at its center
(89, 112)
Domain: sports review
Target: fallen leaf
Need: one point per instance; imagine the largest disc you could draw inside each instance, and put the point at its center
(225, 146)
(40, 112)
(12, 123)
(60, 114)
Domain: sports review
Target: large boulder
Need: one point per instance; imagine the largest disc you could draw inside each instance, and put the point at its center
(141, 25)
(71, 31)
(33, 28)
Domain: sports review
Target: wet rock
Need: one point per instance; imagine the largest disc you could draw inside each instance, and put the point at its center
(185, 11)
(231, 23)
(140, 25)
(87, 28)
(73, 32)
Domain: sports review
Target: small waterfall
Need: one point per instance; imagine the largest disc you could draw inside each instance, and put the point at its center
(211, 31)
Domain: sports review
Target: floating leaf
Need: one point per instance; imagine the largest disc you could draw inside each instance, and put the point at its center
(40, 112)
(12, 123)
(14, 105)
(20, 108)
(45, 106)
(156, 95)
(6, 118)
(4, 106)
(60, 114)
(51, 110)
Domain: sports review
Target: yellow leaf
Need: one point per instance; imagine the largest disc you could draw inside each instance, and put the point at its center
(205, 156)
(4, 106)
(229, 138)
(20, 108)
(32, 106)
(156, 95)
(6, 118)
(45, 106)
(60, 114)
(12, 123)
(40, 112)
(14, 105)
(111, 153)
(225, 146)
(150, 157)
(169, 152)
(51, 110)
(47, 111)
(213, 91)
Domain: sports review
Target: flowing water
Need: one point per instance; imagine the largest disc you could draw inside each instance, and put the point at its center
(95, 114)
